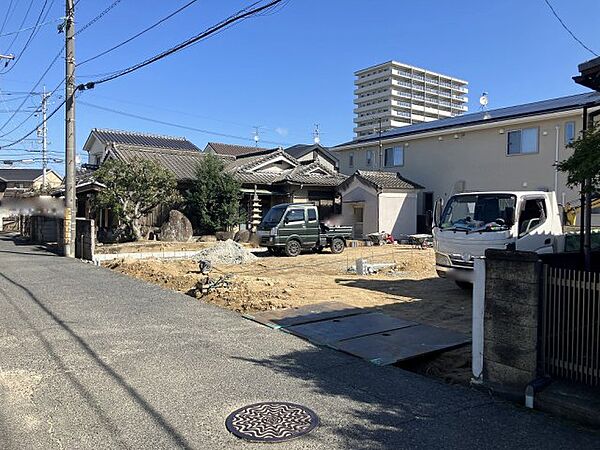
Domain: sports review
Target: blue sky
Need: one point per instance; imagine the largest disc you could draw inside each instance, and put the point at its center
(287, 71)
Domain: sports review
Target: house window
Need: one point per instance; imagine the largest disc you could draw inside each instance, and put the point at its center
(369, 157)
(351, 159)
(569, 132)
(394, 156)
(523, 141)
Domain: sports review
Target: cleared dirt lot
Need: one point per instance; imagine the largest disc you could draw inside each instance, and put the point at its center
(410, 290)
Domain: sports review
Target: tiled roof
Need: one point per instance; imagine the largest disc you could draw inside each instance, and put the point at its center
(299, 150)
(313, 174)
(493, 115)
(20, 174)
(236, 150)
(384, 180)
(243, 170)
(182, 163)
(143, 139)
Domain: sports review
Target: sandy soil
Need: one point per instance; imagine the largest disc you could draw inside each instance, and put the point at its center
(410, 290)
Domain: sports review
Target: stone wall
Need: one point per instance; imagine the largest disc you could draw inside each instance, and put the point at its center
(511, 319)
(85, 239)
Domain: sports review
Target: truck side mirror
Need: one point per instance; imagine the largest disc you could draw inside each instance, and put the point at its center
(437, 212)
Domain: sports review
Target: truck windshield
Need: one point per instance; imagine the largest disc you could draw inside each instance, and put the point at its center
(273, 216)
(479, 212)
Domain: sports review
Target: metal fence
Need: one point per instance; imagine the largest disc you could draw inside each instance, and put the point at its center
(571, 325)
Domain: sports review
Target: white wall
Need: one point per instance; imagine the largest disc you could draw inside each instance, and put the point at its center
(398, 213)
(479, 157)
(360, 195)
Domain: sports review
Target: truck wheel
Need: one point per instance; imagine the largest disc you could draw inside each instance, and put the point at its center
(293, 248)
(464, 285)
(337, 245)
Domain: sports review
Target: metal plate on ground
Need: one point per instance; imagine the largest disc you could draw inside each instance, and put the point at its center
(399, 345)
(304, 314)
(329, 332)
(271, 422)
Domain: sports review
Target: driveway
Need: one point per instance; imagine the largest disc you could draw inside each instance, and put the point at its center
(93, 359)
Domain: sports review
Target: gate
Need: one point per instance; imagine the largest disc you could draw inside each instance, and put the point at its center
(571, 325)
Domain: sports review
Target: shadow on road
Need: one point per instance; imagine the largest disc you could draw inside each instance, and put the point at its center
(86, 394)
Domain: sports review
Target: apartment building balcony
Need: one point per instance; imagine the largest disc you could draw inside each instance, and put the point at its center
(405, 84)
(361, 109)
(371, 96)
(372, 76)
(461, 98)
(460, 107)
(371, 128)
(372, 86)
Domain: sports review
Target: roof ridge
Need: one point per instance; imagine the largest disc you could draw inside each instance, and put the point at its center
(156, 149)
(141, 133)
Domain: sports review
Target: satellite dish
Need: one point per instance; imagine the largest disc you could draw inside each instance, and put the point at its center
(483, 100)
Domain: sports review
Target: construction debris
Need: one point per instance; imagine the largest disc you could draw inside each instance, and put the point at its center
(362, 267)
(226, 252)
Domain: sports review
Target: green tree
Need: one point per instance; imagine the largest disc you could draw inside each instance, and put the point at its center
(133, 189)
(213, 200)
(584, 163)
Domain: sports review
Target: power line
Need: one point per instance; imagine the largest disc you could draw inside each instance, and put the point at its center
(240, 15)
(98, 17)
(175, 125)
(16, 35)
(54, 60)
(139, 34)
(568, 30)
(43, 24)
(10, 5)
(33, 32)
(24, 137)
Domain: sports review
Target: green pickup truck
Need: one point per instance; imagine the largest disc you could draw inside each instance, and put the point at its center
(290, 228)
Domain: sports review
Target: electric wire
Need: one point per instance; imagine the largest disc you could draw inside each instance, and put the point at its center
(175, 125)
(579, 41)
(24, 137)
(54, 60)
(135, 36)
(16, 35)
(240, 15)
(31, 36)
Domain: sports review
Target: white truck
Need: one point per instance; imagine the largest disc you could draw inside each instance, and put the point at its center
(472, 222)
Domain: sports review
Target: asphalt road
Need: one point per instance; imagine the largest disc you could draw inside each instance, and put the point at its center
(93, 359)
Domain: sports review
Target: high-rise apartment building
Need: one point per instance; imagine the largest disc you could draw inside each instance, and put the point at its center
(394, 94)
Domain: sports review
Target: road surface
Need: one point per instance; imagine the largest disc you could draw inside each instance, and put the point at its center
(93, 359)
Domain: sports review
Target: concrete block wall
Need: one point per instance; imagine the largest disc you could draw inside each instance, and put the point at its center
(511, 319)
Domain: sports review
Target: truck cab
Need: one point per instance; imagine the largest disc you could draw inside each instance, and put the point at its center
(290, 228)
(472, 222)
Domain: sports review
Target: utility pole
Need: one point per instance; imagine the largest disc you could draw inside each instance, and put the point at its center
(44, 133)
(70, 199)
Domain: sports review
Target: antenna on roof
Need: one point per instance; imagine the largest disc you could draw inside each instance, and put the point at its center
(256, 136)
(484, 100)
(316, 134)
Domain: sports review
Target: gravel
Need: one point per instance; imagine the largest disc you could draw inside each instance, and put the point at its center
(227, 252)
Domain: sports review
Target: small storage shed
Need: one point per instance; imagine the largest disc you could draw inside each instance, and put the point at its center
(374, 202)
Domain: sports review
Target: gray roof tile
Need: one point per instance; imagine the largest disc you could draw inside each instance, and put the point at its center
(132, 138)
(236, 150)
(383, 180)
(20, 174)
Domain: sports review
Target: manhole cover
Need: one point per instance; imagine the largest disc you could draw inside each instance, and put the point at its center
(271, 422)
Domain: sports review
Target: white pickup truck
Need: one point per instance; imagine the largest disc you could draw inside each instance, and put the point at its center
(472, 222)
